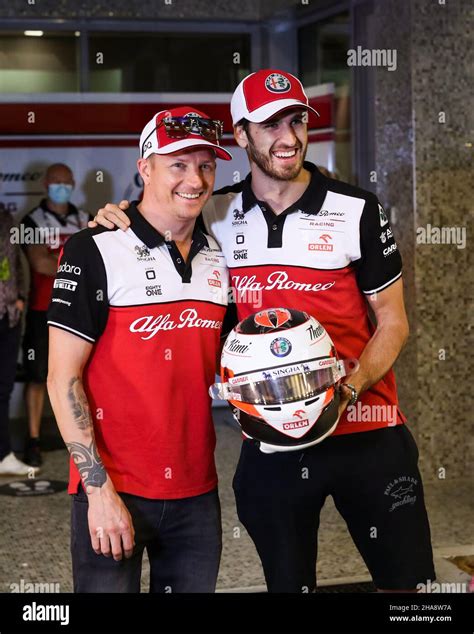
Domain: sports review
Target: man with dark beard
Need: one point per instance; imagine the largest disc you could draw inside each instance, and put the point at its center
(301, 240)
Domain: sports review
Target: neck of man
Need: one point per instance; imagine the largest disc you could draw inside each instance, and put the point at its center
(58, 208)
(173, 229)
(278, 194)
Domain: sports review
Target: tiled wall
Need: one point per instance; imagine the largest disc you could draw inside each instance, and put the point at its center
(146, 9)
(425, 171)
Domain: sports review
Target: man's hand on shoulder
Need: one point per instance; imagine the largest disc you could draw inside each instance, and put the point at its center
(112, 216)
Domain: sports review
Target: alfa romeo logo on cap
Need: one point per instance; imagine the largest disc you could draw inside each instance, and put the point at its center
(277, 82)
(280, 347)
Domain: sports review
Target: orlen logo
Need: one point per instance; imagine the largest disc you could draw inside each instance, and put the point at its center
(297, 424)
(322, 246)
(69, 268)
(214, 282)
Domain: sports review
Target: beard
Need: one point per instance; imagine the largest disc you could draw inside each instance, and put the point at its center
(264, 162)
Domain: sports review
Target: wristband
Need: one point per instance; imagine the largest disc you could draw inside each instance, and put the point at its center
(354, 393)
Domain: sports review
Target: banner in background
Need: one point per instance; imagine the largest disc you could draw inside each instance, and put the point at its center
(97, 136)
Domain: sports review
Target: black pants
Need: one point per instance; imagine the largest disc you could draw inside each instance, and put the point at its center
(183, 540)
(374, 480)
(35, 347)
(9, 344)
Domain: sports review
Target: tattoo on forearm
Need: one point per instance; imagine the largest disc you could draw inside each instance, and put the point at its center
(79, 404)
(88, 463)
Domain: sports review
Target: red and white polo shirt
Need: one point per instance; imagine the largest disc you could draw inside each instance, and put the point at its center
(324, 255)
(154, 322)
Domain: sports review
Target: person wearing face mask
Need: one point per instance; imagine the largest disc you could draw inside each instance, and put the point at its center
(45, 229)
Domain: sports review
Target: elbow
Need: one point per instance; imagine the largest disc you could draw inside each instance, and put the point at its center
(43, 268)
(51, 383)
(54, 382)
(404, 332)
(37, 266)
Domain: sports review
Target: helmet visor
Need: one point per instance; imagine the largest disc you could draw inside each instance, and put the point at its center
(282, 389)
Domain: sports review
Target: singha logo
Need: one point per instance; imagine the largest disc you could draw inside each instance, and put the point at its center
(143, 253)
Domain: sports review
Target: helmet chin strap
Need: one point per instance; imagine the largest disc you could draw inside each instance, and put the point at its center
(219, 391)
(268, 448)
(345, 368)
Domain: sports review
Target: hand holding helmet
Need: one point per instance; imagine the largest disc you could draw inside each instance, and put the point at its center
(280, 373)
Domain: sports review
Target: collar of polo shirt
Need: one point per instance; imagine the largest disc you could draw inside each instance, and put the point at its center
(310, 202)
(71, 210)
(153, 238)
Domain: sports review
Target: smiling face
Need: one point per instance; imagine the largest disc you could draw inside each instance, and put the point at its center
(179, 184)
(277, 146)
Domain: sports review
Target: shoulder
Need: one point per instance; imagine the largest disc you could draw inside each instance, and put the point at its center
(230, 189)
(218, 205)
(83, 215)
(212, 242)
(352, 191)
(86, 238)
(33, 217)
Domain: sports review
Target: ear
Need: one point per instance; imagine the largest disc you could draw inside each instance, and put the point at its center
(241, 136)
(144, 167)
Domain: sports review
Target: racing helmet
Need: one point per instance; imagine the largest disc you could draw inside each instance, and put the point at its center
(280, 374)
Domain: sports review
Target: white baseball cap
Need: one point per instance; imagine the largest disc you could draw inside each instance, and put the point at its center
(155, 139)
(263, 94)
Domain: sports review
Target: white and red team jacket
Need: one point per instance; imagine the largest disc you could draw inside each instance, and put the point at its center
(324, 255)
(154, 322)
(64, 227)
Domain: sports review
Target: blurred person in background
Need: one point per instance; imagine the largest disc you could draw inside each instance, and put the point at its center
(12, 304)
(46, 229)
